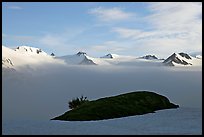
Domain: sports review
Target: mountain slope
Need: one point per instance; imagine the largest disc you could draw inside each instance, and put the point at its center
(182, 59)
(25, 56)
(110, 56)
(79, 58)
(30, 50)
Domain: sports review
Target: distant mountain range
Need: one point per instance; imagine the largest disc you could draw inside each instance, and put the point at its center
(31, 56)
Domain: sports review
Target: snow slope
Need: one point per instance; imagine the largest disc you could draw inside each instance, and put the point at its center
(79, 58)
(110, 56)
(109, 59)
(30, 50)
(25, 56)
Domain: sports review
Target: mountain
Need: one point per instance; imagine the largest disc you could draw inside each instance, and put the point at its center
(25, 56)
(81, 53)
(31, 57)
(30, 50)
(181, 59)
(110, 56)
(80, 58)
(87, 61)
(150, 57)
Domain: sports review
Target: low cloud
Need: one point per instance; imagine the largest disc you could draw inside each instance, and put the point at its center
(49, 88)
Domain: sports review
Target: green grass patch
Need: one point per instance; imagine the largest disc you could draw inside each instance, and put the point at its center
(129, 104)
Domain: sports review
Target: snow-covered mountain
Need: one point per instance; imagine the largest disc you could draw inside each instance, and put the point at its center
(30, 50)
(31, 57)
(110, 56)
(79, 58)
(150, 57)
(25, 56)
(182, 59)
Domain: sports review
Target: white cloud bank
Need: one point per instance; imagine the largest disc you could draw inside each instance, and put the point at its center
(48, 88)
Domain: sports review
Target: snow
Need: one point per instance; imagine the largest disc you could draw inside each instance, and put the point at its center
(189, 60)
(199, 56)
(111, 56)
(21, 57)
(31, 98)
(193, 60)
(30, 50)
(26, 56)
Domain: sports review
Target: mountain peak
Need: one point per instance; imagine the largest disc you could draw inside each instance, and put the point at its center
(87, 61)
(81, 53)
(149, 57)
(110, 56)
(178, 58)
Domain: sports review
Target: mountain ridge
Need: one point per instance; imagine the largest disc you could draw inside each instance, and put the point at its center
(26, 55)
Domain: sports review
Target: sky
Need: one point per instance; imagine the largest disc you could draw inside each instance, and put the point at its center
(99, 28)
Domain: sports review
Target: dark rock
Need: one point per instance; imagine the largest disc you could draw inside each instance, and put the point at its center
(149, 57)
(185, 55)
(81, 53)
(108, 56)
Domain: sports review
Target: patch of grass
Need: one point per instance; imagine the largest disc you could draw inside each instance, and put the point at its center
(129, 104)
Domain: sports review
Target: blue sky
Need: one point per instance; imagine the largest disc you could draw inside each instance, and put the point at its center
(98, 28)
